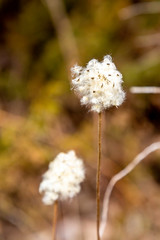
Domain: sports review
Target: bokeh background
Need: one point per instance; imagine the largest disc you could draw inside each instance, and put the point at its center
(40, 116)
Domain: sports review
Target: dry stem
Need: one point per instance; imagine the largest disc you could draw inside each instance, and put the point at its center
(147, 90)
(63, 28)
(139, 8)
(55, 213)
(98, 173)
(153, 147)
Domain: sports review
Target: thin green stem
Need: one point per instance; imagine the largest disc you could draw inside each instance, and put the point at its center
(98, 172)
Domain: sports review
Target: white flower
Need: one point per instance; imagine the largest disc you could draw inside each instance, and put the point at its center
(98, 84)
(63, 178)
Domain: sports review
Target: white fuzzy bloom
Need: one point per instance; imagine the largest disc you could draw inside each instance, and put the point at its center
(98, 84)
(63, 178)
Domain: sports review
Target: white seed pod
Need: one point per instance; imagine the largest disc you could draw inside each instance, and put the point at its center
(98, 84)
(62, 179)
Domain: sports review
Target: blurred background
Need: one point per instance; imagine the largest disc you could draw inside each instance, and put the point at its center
(40, 116)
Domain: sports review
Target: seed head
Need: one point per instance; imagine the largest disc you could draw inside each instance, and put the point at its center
(63, 178)
(98, 84)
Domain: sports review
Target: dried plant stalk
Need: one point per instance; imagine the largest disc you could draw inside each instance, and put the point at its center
(98, 171)
(138, 90)
(153, 147)
(138, 9)
(55, 213)
(64, 31)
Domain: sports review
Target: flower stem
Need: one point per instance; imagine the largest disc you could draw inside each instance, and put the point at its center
(55, 213)
(98, 172)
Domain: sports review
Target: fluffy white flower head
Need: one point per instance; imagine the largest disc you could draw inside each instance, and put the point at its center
(63, 178)
(98, 84)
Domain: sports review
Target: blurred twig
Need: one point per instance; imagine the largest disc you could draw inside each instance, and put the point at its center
(148, 40)
(64, 31)
(17, 218)
(153, 147)
(7, 117)
(138, 90)
(138, 9)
